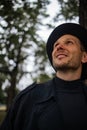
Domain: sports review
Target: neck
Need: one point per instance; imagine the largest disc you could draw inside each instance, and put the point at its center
(69, 75)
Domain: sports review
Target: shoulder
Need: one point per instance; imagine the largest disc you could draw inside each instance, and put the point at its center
(35, 92)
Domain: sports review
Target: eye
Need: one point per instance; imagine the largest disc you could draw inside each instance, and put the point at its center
(69, 42)
(56, 44)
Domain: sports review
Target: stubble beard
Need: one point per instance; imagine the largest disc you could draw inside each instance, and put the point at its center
(65, 67)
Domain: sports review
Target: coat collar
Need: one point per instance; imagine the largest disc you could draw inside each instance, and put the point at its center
(45, 91)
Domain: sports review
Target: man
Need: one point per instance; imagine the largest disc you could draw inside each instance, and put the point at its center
(60, 103)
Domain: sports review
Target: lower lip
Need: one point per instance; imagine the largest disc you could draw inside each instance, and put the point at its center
(61, 56)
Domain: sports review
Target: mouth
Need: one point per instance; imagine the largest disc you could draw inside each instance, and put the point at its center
(60, 56)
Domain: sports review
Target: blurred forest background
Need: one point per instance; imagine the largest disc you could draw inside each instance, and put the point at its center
(22, 48)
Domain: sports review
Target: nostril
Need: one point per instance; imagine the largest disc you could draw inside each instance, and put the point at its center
(60, 47)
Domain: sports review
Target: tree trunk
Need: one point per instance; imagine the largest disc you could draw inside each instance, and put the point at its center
(12, 89)
(83, 13)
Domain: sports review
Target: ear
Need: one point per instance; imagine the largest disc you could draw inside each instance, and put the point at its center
(84, 57)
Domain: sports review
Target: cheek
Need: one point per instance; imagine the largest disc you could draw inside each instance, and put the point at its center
(53, 53)
(76, 51)
(77, 56)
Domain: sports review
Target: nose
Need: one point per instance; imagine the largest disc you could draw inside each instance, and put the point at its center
(60, 46)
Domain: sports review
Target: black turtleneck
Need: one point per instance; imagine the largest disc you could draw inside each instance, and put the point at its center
(73, 104)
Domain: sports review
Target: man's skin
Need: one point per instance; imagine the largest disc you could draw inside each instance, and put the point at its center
(68, 55)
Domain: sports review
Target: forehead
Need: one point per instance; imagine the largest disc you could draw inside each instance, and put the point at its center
(68, 37)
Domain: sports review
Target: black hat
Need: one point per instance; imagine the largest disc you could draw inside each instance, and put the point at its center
(68, 28)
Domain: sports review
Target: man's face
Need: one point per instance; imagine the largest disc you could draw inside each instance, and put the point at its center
(67, 53)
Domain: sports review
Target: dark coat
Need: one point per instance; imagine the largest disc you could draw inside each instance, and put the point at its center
(28, 105)
(37, 108)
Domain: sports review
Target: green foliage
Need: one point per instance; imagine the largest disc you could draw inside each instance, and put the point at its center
(20, 21)
(69, 9)
(43, 77)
